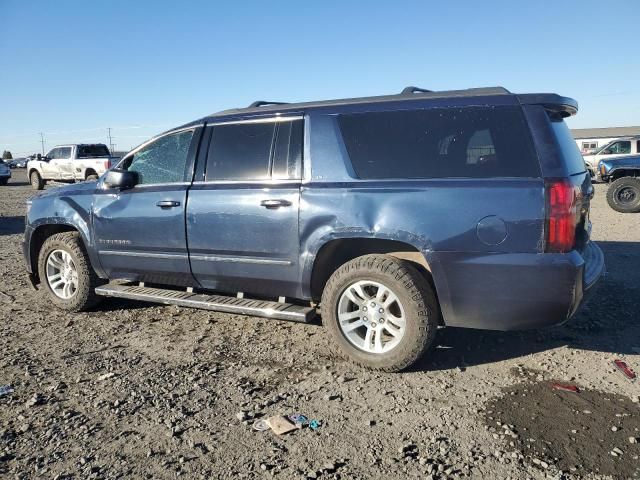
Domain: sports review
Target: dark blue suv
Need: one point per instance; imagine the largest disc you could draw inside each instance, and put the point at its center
(393, 214)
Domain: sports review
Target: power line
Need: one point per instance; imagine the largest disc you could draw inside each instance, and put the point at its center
(42, 141)
(110, 140)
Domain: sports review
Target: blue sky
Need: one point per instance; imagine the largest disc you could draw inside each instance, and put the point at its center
(71, 69)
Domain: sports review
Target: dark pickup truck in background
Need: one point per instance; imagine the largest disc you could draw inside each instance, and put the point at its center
(623, 195)
(395, 214)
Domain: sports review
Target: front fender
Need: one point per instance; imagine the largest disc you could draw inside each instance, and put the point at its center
(71, 211)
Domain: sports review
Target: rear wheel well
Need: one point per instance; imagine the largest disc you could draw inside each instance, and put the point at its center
(88, 172)
(38, 238)
(336, 253)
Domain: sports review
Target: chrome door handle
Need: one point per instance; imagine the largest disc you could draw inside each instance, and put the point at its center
(167, 204)
(272, 204)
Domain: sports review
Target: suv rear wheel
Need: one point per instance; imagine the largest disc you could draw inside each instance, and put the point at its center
(66, 273)
(624, 195)
(36, 180)
(381, 312)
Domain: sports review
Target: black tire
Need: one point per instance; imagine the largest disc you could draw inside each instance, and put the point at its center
(415, 294)
(91, 177)
(36, 180)
(624, 195)
(4, 181)
(85, 296)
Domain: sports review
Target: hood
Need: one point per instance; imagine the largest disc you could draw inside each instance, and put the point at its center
(83, 188)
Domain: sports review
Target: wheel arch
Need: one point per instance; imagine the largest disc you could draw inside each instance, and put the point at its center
(337, 251)
(45, 230)
(624, 172)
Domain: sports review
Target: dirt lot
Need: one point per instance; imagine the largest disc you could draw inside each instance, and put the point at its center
(141, 391)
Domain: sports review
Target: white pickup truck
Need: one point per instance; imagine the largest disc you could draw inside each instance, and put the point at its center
(70, 163)
(620, 147)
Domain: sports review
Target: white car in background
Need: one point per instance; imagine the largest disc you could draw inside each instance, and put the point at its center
(620, 147)
(70, 163)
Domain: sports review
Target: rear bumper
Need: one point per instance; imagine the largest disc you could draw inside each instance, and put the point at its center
(514, 291)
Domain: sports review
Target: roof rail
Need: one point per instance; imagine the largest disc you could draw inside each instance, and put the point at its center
(262, 103)
(410, 90)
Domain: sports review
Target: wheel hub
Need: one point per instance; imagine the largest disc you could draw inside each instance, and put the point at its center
(61, 274)
(627, 195)
(371, 316)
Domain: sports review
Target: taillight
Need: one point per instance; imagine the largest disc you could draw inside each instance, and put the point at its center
(107, 164)
(562, 202)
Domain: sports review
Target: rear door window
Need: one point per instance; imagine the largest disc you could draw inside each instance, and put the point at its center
(92, 151)
(240, 151)
(469, 142)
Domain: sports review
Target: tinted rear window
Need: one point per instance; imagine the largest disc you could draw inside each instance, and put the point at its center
(89, 151)
(471, 142)
(568, 147)
(240, 151)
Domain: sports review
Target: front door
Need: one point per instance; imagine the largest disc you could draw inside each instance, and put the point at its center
(140, 232)
(51, 168)
(64, 163)
(242, 217)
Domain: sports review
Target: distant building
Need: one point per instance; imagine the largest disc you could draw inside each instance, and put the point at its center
(589, 139)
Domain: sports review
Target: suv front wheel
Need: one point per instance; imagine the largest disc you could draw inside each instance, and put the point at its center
(66, 273)
(381, 312)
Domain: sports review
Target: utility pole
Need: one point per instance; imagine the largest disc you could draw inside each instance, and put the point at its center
(42, 141)
(110, 140)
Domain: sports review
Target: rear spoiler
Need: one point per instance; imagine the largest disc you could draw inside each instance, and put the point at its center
(563, 106)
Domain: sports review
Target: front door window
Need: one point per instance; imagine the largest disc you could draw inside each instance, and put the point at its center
(162, 161)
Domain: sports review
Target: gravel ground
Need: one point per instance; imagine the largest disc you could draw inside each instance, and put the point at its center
(143, 391)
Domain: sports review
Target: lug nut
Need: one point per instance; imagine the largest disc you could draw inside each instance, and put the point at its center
(373, 304)
(381, 310)
(365, 319)
(364, 309)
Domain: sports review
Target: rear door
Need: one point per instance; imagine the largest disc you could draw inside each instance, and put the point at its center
(140, 232)
(242, 215)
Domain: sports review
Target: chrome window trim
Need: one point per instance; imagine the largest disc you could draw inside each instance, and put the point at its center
(266, 183)
(252, 260)
(127, 253)
(270, 119)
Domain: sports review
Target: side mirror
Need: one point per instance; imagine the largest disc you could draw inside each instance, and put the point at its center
(122, 179)
(39, 157)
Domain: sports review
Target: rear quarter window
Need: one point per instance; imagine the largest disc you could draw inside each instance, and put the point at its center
(568, 148)
(469, 142)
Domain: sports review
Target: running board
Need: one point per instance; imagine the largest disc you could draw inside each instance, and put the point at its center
(218, 303)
